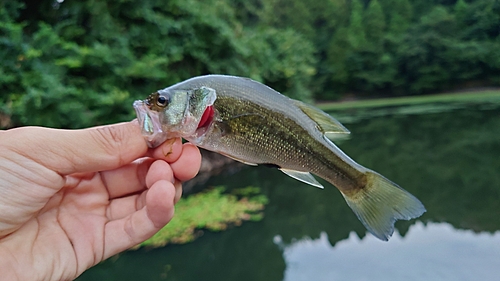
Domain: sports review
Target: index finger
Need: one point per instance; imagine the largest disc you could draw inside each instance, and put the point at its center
(169, 151)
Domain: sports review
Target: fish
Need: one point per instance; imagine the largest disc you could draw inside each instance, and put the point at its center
(252, 123)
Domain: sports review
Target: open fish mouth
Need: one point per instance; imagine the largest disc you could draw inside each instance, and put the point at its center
(166, 114)
(150, 124)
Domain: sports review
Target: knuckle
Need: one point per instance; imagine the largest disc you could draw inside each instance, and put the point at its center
(110, 140)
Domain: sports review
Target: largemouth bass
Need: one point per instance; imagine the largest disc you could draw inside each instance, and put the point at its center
(254, 124)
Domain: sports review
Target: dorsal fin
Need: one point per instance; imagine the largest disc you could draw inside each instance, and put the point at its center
(328, 125)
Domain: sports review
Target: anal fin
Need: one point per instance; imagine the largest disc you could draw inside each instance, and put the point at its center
(305, 177)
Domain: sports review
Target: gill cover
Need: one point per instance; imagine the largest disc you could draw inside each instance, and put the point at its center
(180, 118)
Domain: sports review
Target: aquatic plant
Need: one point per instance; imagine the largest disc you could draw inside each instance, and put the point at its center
(211, 210)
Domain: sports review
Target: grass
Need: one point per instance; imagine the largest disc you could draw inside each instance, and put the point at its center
(213, 210)
(481, 96)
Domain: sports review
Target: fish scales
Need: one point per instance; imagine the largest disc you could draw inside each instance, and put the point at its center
(252, 105)
(255, 124)
(290, 146)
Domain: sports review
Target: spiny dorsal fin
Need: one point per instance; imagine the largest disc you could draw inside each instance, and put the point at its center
(328, 125)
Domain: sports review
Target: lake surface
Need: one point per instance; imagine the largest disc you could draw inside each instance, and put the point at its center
(447, 155)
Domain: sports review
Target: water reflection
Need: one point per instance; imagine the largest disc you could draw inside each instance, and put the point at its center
(435, 251)
(449, 160)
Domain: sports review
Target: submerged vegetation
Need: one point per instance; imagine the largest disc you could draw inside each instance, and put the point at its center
(448, 159)
(210, 210)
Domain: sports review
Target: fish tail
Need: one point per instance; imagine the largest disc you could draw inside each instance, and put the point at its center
(380, 203)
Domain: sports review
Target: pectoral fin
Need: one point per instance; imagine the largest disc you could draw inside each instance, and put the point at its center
(303, 177)
(328, 125)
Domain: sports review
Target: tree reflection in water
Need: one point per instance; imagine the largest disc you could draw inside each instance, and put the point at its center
(448, 158)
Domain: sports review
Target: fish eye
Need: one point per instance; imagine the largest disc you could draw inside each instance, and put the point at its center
(162, 101)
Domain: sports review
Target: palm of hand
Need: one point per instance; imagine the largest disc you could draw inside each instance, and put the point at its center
(68, 223)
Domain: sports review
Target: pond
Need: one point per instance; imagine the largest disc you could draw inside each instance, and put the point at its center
(447, 155)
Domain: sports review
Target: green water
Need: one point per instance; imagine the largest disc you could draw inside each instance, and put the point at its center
(447, 155)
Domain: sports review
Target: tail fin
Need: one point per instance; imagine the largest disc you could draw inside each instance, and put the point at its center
(381, 203)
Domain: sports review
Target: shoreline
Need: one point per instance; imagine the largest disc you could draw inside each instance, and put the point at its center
(490, 95)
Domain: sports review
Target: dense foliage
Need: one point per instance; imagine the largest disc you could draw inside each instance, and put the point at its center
(81, 63)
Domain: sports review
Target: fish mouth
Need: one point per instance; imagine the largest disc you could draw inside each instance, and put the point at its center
(189, 115)
(151, 127)
(150, 124)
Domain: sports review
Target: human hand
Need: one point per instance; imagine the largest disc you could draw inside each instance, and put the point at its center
(72, 198)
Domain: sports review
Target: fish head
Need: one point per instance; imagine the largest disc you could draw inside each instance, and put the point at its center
(171, 113)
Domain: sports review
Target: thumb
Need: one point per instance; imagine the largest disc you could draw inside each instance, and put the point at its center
(78, 151)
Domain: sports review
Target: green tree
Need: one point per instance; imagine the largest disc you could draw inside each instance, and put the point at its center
(374, 23)
(423, 52)
(356, 36)
(79, 63)
(288, 14)
(401, 15)
(330, 41)
(76, 64)
(337, 54)
(445, 50)
(460, 10)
